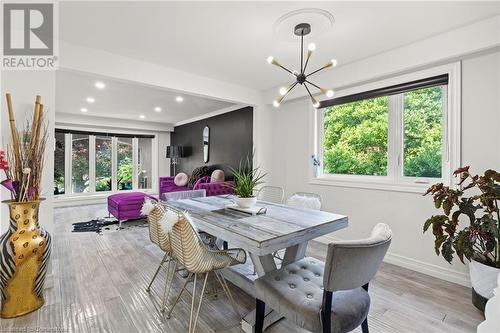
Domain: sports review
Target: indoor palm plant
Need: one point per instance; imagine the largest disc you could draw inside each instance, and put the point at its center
(475, 204)
(246, 179)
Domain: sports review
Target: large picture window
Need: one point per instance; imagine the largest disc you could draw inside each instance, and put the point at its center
(397, 135)
(102, 162)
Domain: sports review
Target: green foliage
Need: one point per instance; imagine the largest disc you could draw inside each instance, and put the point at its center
(246, 179)
(103, 164)
(80, 160)
(355, 140)
(423, 114)
(480, 239)
(356, 135)
(124, 171)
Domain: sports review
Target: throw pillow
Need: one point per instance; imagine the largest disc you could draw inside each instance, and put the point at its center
(197, 174)
(217, 176)
(181, 179)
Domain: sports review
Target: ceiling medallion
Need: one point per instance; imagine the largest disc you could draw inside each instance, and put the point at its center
(302, 78)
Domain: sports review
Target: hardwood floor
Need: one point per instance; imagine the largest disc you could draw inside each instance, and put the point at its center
(98, 285)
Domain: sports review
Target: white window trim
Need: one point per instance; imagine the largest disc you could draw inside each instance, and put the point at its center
(92, 193)
(393, 181)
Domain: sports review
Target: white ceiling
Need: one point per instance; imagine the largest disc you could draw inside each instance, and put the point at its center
(230, 41)
(125, 100)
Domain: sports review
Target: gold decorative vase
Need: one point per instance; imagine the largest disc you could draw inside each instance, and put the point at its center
(24, 254)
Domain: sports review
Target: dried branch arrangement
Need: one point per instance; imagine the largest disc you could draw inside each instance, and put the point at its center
(24, 159)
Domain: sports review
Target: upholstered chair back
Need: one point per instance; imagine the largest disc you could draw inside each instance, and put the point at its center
(352, 264)
(156, 233)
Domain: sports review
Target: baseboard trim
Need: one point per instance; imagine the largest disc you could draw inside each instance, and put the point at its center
(417, 265)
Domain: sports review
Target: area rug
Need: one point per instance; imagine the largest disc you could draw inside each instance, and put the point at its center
(107, 224)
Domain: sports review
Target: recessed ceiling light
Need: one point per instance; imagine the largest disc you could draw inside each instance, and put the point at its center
(100, 85)
(142, 116)
(90, 100)
(158, 109)
(179, 99)
(84, 110)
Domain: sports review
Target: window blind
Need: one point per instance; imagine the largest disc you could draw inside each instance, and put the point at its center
(118, 135)
(391, 90)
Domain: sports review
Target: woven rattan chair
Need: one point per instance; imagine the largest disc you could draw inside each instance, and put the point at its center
(190, 252)
(274, 194)
(157, 235)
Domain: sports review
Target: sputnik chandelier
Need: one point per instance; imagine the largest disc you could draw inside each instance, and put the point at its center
(301, 77)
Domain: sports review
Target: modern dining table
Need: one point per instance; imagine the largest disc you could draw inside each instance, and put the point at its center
(281, 227)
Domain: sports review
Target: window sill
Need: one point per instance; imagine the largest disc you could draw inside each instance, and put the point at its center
(371, 185)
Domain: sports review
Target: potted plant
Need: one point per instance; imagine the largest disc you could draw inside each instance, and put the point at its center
(246, 179)
(474, 203)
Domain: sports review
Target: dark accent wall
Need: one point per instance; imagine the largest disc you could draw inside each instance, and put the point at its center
(231, 139)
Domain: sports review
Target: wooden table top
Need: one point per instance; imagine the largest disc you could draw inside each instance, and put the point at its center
(280, 227)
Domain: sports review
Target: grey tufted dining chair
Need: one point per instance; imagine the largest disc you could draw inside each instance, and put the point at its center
(330, 297)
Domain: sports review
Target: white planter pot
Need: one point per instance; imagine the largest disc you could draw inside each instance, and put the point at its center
(483, 278)
(246, 202)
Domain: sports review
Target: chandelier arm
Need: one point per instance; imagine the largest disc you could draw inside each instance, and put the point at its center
(286, 69)
(316, 86)
(282, 98)
(308, 91)
(314, 72)
(290, 88)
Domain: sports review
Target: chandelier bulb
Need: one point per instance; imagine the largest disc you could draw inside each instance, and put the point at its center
(316, 104)
(276, 103)
(311, 47)
(283, 91)
(270, 59)
(334, 62)
(329, 93)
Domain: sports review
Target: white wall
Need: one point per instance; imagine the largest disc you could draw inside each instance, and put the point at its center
(286, 158)
(24, 86)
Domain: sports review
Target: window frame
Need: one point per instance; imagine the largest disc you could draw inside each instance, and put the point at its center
(114, 163)
(395, 179)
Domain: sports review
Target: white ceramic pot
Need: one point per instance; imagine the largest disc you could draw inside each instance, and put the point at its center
(483, 278)
(246, 202)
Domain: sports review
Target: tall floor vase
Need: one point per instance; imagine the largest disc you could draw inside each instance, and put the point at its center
(24, 254)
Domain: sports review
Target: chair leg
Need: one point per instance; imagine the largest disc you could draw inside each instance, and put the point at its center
(260, 312)
(165, 257)
(169, 313)
(364, 326)
(168, 283)
(192, 303)
(200, 302)
(225, 287)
